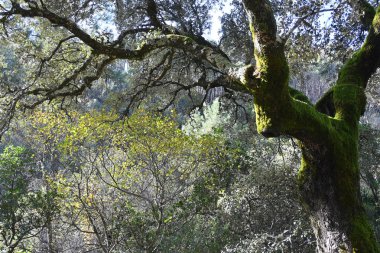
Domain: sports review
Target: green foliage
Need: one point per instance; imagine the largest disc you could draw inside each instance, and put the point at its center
(155, 177)
(257, 191)
(23, 207)
(144, 184)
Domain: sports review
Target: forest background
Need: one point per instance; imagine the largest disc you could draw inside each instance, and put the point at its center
(160, 154)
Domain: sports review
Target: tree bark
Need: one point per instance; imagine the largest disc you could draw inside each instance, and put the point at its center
(329, 174)
(329, 186)
(327, 132)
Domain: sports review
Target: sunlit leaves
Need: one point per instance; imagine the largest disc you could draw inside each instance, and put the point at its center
(125, 178)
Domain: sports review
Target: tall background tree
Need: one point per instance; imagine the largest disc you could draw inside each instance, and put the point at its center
(61, 49)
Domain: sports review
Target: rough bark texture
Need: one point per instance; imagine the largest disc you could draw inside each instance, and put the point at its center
(329, 184)
(327, 132)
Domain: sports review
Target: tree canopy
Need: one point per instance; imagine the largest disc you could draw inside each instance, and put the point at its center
(61, 49)
(57, 51)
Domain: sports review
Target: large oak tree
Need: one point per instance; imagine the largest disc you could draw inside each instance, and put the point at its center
(60, 48)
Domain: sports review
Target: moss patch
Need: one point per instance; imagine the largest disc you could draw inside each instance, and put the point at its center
(349, 101)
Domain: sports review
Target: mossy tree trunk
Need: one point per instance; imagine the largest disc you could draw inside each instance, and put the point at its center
(327, 132)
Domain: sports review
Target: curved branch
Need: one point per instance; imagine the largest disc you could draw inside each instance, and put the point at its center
(49, 94)
(365, 11)
(349, 97)
(71, 26)
(52, 54)
(171, 38)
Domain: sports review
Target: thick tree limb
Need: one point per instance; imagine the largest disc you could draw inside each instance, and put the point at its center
(173, 37)
(276, 111)
(271, 64)
(263, 23)
(349, 98)
(152, 11)
(365, 11)
(366, 60)
(267, 81)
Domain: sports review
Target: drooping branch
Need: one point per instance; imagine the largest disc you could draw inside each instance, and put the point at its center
(195, 46)
(62, 91)
(180, 78)
(52, 54)
(71, 86)
(267, 81)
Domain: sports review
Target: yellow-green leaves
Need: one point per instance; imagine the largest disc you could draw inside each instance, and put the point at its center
(131, 173)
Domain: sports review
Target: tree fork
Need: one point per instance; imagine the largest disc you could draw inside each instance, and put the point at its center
(328, 132)
(329, 173)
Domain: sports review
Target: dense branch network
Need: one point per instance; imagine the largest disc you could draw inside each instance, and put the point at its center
(104, 53)
(267, 79)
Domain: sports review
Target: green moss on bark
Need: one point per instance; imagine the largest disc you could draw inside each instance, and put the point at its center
(329, 173)
(362, 229)
(349, 101)
(299, 96)
(376, 23)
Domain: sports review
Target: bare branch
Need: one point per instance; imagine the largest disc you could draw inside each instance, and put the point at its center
(60, 92)
(43, 61)
(301, 20)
